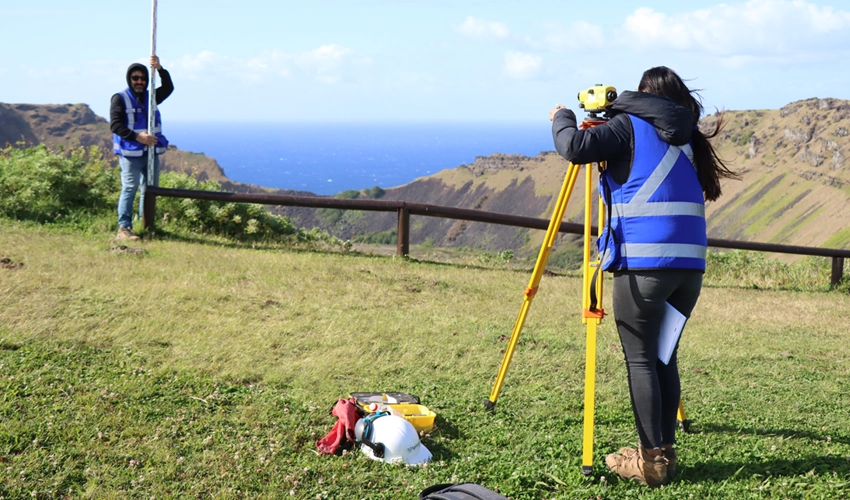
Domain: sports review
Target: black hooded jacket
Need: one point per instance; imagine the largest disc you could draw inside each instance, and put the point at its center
(117, 109)
(614, 141)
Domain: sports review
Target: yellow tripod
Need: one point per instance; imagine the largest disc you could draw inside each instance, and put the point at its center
(591, 302)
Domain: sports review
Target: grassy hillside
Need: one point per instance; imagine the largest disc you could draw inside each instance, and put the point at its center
(174, 369)
(795, 186)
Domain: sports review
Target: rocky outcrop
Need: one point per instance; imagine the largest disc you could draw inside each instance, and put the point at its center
(489, 164)
(13, 127)
(795, 174)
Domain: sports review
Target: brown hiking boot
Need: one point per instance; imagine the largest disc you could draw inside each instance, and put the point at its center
(125, 233)
(637, 465)
(670, 455)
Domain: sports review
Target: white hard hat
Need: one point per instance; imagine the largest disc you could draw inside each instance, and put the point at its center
(391, 439)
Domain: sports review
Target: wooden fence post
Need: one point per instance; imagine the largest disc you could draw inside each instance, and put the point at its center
(837, 271)
(403, 247)
(149, 211)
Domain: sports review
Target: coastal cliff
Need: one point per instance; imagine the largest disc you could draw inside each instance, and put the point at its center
(794, 162)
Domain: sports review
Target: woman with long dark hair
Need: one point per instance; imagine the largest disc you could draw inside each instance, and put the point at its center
(660, 169)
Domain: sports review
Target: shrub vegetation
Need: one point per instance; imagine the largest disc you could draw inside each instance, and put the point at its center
(43, 186)
(81, 187)
(241, 221)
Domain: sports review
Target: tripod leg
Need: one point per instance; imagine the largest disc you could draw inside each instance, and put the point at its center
(531, 290)
(684, 423)
(589, 396)
(591, 318)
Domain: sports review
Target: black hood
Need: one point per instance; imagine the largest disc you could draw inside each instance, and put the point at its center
(674, 123)
(137, 67)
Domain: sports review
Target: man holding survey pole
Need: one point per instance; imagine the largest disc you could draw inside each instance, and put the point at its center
(660, 170)
(128, 121)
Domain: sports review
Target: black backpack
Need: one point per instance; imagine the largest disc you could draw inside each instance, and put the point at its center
(462, 491)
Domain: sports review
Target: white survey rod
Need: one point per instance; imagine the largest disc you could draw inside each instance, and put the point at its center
(152, 99)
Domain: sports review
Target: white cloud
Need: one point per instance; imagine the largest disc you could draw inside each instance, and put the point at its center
(578, 35)
(785, 29)
(521, 66)
(481, 28)
(328, 64)
(104, 70)
(199, 63)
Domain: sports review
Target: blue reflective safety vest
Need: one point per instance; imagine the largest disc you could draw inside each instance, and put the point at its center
(657, 217)
(137, 121)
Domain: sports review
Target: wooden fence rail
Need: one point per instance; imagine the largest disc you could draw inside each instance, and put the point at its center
(405, 210)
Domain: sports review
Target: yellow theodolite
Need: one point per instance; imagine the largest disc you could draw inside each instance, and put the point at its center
(596, 99)
(593, 100)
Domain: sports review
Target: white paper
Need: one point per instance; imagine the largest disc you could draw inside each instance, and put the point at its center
(671, 329)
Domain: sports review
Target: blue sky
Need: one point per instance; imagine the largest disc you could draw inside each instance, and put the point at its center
(336, 61)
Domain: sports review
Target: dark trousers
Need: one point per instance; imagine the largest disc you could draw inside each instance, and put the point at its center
(639, 302)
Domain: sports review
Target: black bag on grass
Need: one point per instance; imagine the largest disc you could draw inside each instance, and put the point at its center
(462, 491)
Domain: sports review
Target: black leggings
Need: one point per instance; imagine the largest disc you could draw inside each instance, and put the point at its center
(639, 298)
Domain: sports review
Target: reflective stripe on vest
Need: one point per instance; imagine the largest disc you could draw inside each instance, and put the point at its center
(665, 250)
(137, 122)
(658, 214)
(639, 205)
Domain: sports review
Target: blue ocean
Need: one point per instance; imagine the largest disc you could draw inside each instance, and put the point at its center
(329, 158)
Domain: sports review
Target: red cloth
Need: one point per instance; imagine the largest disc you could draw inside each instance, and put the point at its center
(346, 413)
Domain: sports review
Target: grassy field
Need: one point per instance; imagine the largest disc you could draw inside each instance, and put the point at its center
(178, 369)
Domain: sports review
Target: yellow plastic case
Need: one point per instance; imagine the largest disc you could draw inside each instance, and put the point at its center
(420, 416)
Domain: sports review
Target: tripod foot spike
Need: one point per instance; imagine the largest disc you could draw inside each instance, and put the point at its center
(490, 406)
(587, 470)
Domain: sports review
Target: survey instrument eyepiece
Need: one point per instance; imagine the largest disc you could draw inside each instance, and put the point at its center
(596, 99)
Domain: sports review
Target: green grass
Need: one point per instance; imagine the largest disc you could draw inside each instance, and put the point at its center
(839, 239)
(739, 268)
(207, 370)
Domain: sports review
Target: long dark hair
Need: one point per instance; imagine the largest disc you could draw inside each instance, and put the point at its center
(662, 80)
